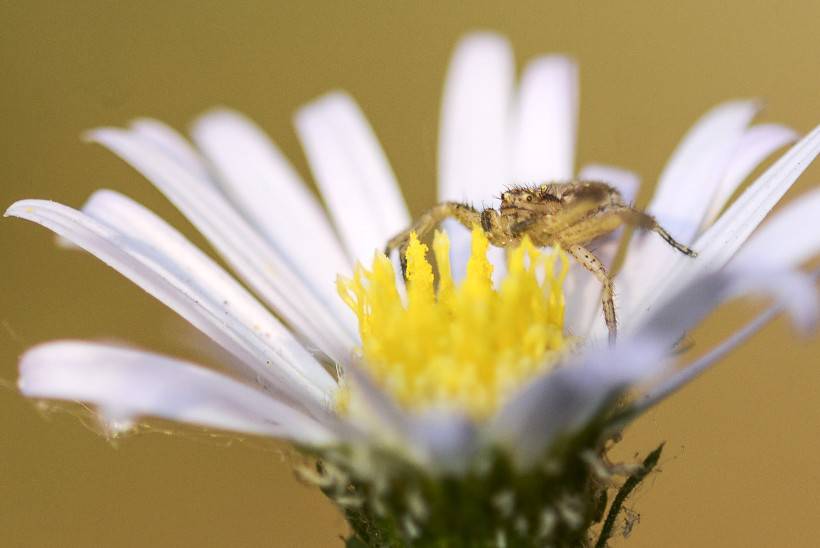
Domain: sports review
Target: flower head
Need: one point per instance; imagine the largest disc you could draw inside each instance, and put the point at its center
(491, 370)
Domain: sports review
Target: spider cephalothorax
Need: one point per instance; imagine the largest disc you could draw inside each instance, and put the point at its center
(566, 214)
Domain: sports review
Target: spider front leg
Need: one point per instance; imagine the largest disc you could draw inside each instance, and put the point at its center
(463, 213)
(591, 263)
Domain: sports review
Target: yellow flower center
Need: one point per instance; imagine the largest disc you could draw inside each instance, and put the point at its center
(465, 346)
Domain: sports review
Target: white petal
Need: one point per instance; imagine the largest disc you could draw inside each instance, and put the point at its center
(723, 239)
(545, 121)
(264, 186)
(754, 147)
(451, 441)
(281, 367)
(125, 384)
(373, 411)
(473, 152)
(353, 174)
(296, 299)
(683, 310)
(789, 238)
(684, 193)
(473, 147)
(135, 222)
(688, 373)
(691, 176)
(568, 398)
(441, 441)
(582, 289)
(173, 144)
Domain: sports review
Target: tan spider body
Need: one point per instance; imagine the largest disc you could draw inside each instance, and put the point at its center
(566, 214)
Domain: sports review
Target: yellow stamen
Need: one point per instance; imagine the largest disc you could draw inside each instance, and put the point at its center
(466, 346)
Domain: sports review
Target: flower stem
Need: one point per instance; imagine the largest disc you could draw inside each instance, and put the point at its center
(629, 485)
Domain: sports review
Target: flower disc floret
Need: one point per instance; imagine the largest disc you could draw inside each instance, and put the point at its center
(467, 345)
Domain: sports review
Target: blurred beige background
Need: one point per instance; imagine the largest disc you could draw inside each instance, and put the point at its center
(741, 466)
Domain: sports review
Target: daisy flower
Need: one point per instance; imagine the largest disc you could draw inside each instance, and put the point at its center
(473, 404)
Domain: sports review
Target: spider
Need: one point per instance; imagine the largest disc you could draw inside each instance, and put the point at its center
(566, 214)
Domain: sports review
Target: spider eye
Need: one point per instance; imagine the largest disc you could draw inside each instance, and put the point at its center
(529, 197)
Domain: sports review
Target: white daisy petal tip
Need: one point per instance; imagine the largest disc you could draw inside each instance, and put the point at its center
(21, 208)
(753, 147)
(254, 174)
(159, 130)
(478, 91)
(795, 291)
(174, 145)
(482, 42)
(217, 116)
(239, 242)
(650, 276)
(163, 263)
(337, 99)
(219, 111)
(352, 172)
(751, 106)
(125, 384)
(98, 134)
(545, 120)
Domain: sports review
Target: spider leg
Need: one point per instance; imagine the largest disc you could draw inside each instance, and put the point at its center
(646, 221)
(591, 263)
(608, 218)
(465, 214)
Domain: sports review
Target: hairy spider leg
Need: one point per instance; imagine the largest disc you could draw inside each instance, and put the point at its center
(635, 217)
(605, 221)
(465, 214)
(591, 263)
